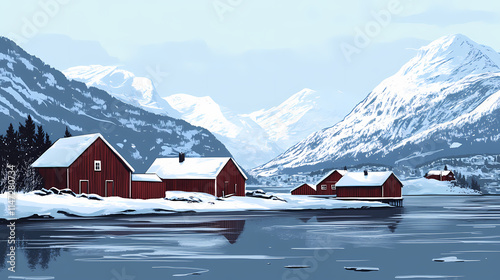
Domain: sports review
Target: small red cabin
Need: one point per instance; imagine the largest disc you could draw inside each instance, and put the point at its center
(369, 185)
(85, 164)
(304, 189)
(440, 175)
(218, 176)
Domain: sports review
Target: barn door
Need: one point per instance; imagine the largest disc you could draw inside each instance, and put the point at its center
(83, 186)
(110, 188)
(225, 189)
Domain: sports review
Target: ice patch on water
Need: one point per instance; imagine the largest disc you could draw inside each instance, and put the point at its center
(452, 259)
(362, 269)
(295, 266)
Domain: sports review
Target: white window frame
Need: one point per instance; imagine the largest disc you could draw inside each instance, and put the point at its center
(334, 187)
(97, 165)
(324, 187)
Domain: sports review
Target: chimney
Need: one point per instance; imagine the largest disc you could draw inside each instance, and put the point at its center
(366, 172)
(182, 157)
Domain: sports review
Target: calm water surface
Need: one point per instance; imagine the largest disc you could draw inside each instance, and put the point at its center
(400, 242)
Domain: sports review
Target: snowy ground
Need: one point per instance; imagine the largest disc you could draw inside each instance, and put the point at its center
(423, 186)
(65, 205)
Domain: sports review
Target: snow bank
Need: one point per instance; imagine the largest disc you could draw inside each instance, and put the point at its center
(423, 186)
(66, 205)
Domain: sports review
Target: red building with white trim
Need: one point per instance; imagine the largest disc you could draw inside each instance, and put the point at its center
(378, 186)
(85, 164)
(218, 176)
(440, 175)
(325, 186)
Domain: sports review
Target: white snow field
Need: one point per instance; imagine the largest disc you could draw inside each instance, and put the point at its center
(423, 186)
(66, 205)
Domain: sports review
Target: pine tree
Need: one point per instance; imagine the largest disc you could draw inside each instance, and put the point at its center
(39, 141)
(445, 167)
(475, 184)
(11, 146)
(27, 138)
(67, 133)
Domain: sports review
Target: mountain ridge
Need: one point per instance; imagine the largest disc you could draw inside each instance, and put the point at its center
(399, 121)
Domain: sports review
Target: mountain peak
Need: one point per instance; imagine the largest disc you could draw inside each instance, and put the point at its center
(451, 58)
(123, 85)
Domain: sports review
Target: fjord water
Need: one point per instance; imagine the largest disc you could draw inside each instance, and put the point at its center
(400, 242)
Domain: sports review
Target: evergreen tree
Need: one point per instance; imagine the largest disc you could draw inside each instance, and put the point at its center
(67, 133)
(11, 146)
(39, 141)
(445, 167)
(27, 138)
(475, 184)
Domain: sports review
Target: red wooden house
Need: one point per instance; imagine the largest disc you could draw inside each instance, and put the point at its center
(85, 164)
(324, 186)
(218, 176)
(379, 186)
(440, 175)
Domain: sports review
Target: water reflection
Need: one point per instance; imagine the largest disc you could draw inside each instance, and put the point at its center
(120, 237)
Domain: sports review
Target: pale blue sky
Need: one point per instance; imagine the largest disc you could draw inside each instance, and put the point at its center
(246, 54)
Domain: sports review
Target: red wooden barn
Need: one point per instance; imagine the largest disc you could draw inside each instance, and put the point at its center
(324, 186)
(85, 164)
(218, 176)
(380, 186)
(304, 189)
(147, 186)
(440, 175)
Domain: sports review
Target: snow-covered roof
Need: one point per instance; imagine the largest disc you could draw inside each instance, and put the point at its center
(439, 172)
(66, 150)
(145, 178)
(310, 185)
(190, 168)
(342, 172)
(358, 179)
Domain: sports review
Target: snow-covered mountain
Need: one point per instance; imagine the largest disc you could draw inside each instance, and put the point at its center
(245, 139)
(253, 138)
(260, 136)
(123, 85)
(303, 113)
(445, 101)
(29, 86)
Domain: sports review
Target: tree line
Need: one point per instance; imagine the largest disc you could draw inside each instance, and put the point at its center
(21, 148)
